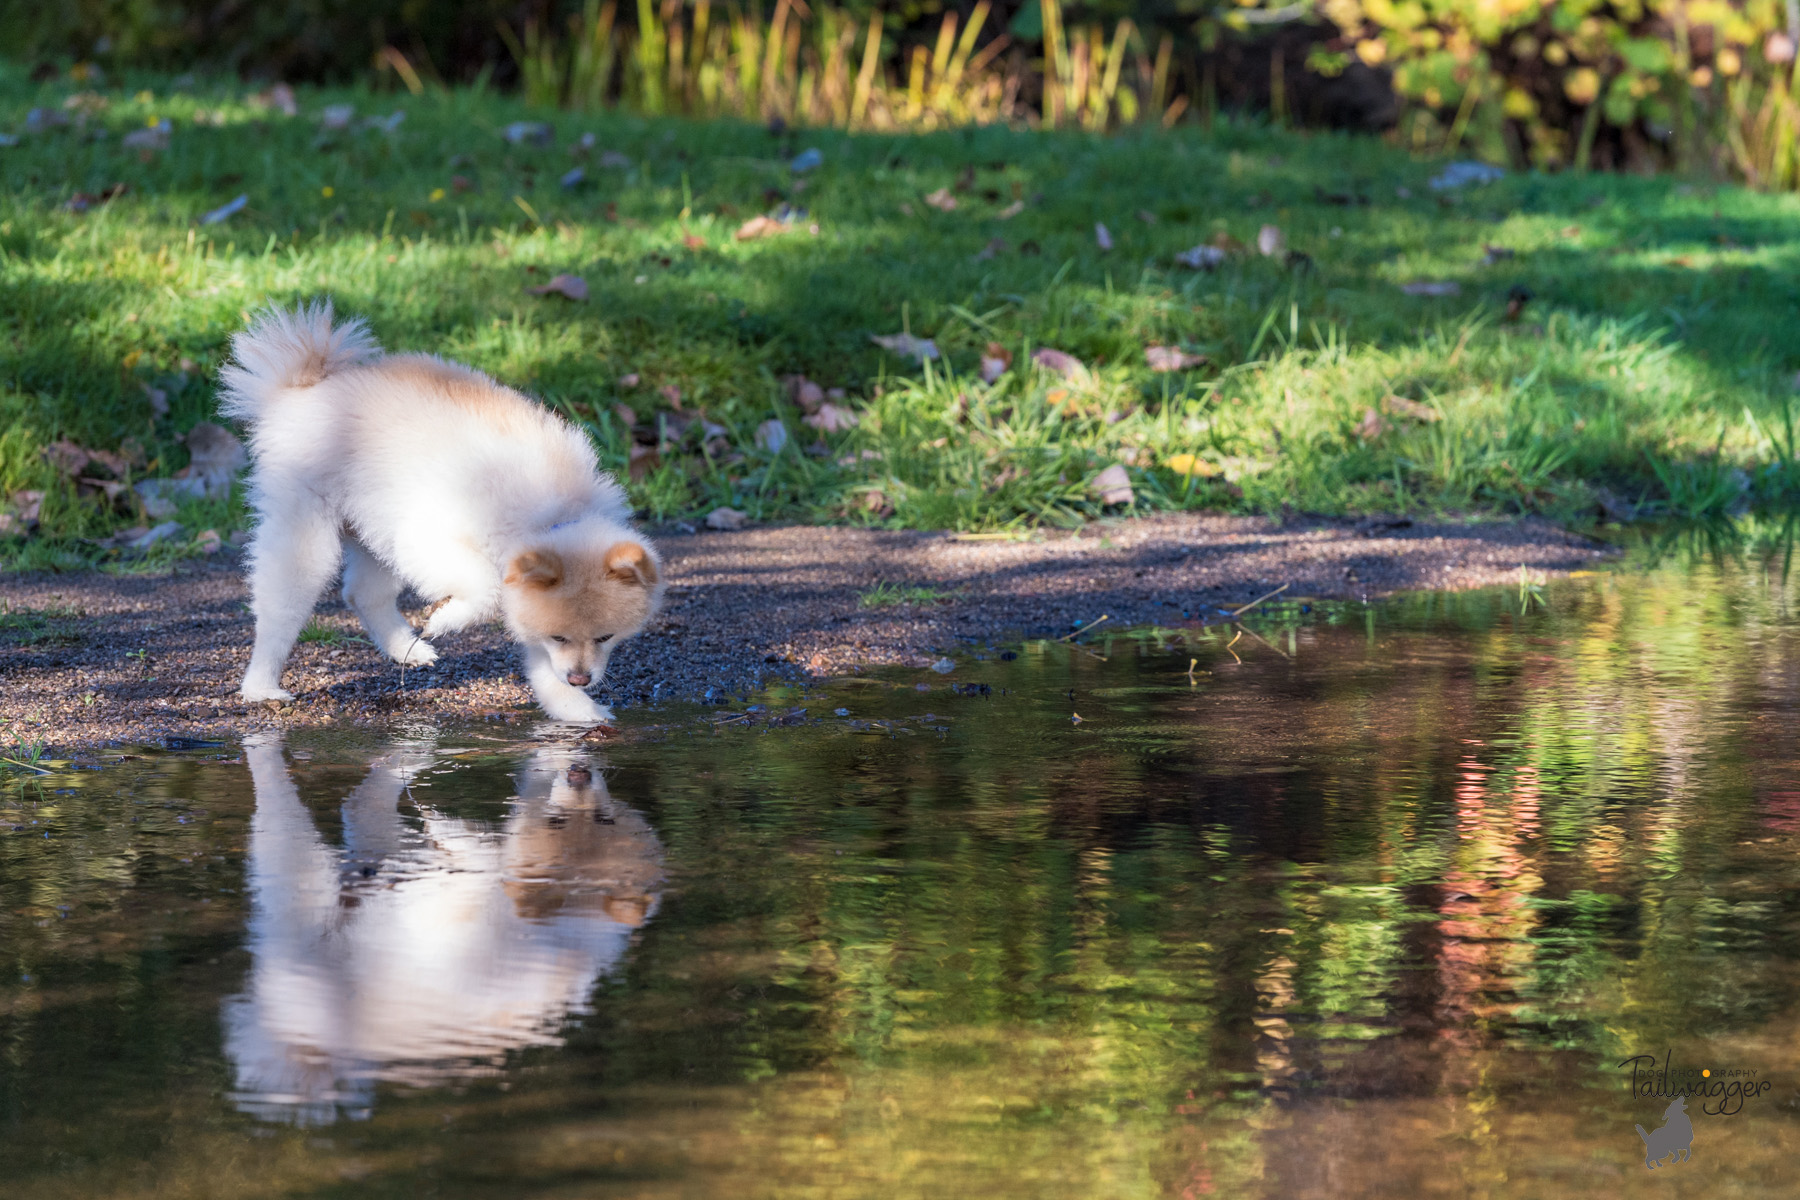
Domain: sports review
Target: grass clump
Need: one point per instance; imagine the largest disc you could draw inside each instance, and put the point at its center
(894, 595)
(1649, 370)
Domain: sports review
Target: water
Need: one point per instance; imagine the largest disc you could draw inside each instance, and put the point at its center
(1374, 902)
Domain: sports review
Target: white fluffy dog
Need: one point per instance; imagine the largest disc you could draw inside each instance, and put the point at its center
(407, 469)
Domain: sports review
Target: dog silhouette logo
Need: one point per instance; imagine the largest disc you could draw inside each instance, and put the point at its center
(1675, 1137)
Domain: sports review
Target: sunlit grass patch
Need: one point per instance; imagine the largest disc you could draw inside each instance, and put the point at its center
(1647, 373)
(894, 595)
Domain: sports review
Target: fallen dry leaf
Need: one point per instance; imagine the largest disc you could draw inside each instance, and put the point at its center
(761, 227)
(1113, 486)
(906, 345)
(1201, 258)
(644, 460)
(942, 200)
(1429, 287)
(671, 394)
(151, 137)
(630, 379)
(1400, 406)
(772, 435)
(1271, 242)
(725, 519)
(1171, 358)
(226, 210)
(693, 241)
(1056, 361)
(831, 419)
(1191, 464)
(1012, 210)
(994, 362)
(1102, 237)
(572, 286)
(803, 392)
(1372, 425)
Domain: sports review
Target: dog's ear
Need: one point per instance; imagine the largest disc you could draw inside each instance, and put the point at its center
(629, 562)
(536, 568)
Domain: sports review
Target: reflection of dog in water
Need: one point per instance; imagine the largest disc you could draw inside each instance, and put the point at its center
(1675, 1136)
(426, 946)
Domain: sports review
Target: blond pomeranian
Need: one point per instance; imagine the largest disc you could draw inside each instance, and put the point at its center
(406, 469)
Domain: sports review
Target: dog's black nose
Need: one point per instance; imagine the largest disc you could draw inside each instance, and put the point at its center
(580, 678)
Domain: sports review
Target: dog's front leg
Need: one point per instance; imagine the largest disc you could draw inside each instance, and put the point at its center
(560, 700)
(457, 613)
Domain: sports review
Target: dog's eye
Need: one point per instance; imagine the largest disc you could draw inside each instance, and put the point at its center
(559, 639)
(603, 639)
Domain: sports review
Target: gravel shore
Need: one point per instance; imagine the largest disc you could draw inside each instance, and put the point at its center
(92, 659)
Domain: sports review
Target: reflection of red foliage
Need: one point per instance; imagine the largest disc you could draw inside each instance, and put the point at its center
(1782, 811)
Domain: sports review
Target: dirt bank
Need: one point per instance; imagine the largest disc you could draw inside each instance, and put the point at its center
(93, 658)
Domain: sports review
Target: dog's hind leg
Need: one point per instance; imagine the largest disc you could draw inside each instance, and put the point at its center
(373, 591)
(292, 560)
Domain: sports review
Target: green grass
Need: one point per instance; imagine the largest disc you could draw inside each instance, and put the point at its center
(1653, 371)
(891, 595)
(37, 626)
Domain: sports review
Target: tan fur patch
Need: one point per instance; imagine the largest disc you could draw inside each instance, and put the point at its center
(629, 562)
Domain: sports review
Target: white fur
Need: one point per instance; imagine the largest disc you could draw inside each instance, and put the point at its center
(358, 464)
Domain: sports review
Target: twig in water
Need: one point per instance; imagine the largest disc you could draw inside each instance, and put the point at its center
(1192, 663)
(1238, 612)
(1265, 641)
(27, 766)
(1085, 628)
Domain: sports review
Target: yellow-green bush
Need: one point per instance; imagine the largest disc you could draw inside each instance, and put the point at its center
(1580, 82)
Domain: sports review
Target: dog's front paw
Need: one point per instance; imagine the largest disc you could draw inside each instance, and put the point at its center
(451, 615)
(260, 694)
(413, 652)
(577, 709)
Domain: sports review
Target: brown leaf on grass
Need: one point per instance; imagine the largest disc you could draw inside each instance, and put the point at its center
(1400, 406)
(1431, 287)
(761, 227)
(906, 345)
(625, 413)
(693, 241)
(876, 502)
(831, 418)
(803, 392)
(671, 394)
(1162, 359)
(1102, 237)
(1012, 210)
(1057, 362)
(1113, 486)
(942, 200)
(630, 379)
(574, 287)
(725, 519)
(1372, 425)
(994, 362)
(644, 460)
(72, 459)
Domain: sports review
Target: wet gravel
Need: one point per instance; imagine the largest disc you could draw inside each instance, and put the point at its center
(91, 659)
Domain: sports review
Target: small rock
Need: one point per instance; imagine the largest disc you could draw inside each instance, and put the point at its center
(726, 519)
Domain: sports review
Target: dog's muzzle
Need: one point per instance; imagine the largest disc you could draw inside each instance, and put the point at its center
(580, 678)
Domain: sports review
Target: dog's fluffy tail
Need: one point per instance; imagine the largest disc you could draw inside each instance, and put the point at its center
(283, 350)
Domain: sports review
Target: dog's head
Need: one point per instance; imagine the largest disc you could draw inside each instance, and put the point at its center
(578, 602)
(1677, 1106)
